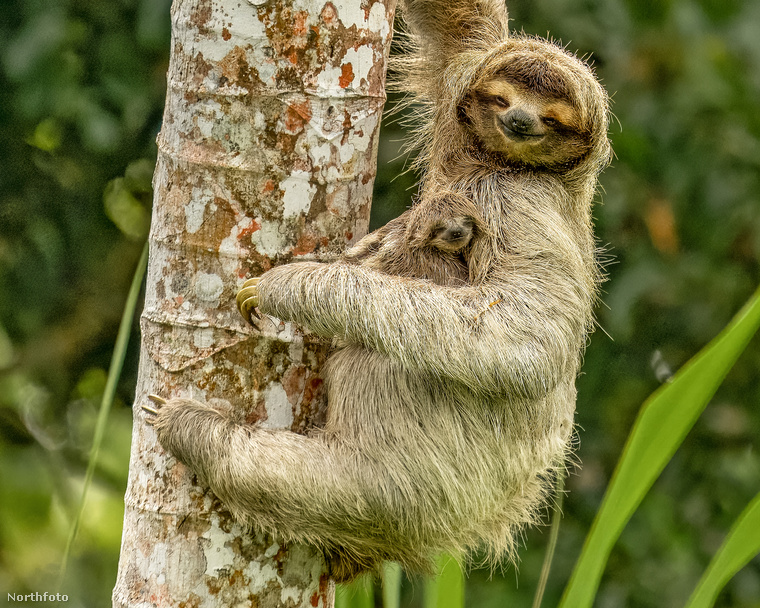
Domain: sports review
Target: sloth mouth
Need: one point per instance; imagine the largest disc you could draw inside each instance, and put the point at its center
(520, 136)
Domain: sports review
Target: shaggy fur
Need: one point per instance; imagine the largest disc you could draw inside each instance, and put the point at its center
(430, 241)
(452, 402)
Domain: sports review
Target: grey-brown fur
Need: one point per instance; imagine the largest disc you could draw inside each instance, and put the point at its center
(432, 241)
(451, 405)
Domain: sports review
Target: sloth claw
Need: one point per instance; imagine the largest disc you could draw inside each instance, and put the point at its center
(248, 299)
(153, 411)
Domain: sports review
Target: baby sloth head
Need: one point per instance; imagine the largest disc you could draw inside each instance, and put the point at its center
(452, 234)
(444, 220)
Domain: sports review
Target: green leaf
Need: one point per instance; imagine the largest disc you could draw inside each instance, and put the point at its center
(138, 177)
(740, 546)
(124, 210)
(356, 594)
(114, 373)
(391, 585)
(559, 495)
(47, 135)
(663, 422)
(447, 589)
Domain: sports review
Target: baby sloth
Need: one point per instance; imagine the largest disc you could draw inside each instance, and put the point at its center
(463, 323)
(429, 241)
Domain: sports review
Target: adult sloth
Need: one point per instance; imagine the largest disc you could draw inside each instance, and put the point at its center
(450, 406)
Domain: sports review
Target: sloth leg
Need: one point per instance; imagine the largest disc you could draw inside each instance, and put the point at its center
(317, 490)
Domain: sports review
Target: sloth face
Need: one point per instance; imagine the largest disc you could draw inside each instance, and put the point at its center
(451, 235)
(528, 126)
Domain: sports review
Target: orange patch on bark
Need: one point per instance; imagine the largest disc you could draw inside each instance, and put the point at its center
(255, 226)
(329, 15)
(293, 382)
(306, 244)
(346, 75)
(299, 23)
(296, 115)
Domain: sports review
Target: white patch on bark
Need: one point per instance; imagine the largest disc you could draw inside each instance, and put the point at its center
(361, 60)
(327, 82)
(377, 20)
(230, 250)
(368, 124)
(351, 13)
(269, 240)
(279, 410)
(208, 287)
(260, 576)
(320, 153)
(203, 337)
(195, 210)
(218, 554)
(297, 194)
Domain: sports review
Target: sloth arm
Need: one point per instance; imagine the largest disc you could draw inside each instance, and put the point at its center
(496, 338)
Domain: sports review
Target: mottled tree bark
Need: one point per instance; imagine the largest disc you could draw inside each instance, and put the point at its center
(266, 155)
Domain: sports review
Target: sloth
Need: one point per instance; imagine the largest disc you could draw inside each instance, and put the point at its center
(429, 241)
(450, 403)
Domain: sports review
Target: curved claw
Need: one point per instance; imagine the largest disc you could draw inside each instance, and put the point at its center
(248, 299)
(150, 411)
(153, 411)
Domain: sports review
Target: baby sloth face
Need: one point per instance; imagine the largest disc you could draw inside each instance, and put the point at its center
(527, 119)
(451, 235)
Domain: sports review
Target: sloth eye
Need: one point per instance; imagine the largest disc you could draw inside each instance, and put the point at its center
(501, 101)
(550, 122)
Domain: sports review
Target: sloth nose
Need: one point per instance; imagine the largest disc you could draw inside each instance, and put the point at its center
(519, 122)
(456, 234)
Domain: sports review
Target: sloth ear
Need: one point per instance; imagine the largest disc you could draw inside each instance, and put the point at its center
(463, 116)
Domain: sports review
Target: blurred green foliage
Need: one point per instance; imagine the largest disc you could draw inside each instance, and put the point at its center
(81, 95)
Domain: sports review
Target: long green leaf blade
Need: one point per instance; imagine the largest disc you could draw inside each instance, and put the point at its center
(356, 594)
(740, 546)
(663, 422)
(114, 373)
(447, 589)
(551, 546)
(391, 585)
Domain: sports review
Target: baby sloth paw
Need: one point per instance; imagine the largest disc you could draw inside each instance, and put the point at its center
(248, 300)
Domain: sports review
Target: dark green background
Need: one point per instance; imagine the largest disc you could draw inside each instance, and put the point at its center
(81, 93)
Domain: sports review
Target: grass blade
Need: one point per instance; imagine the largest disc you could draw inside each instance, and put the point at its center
(740, 546)
(114, 373)
(663, 422)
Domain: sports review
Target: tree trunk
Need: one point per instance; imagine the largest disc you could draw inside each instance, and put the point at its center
(266, 155)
